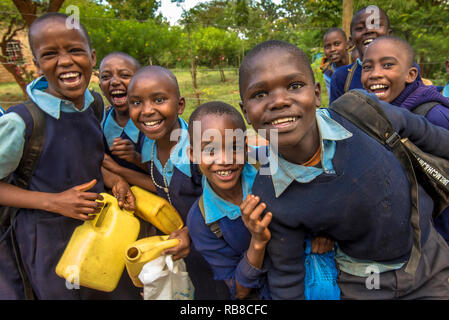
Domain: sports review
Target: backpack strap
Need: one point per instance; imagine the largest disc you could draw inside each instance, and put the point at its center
(97, 105)
(349, 77)
(424, 108)
(27, 165)
(214, 226)
(366, 114)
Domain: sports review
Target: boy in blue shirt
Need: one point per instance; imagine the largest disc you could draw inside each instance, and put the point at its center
(69, 177)
(121, 135)
(363, 33)
(236, 252)
(336, 54)
(358, 193)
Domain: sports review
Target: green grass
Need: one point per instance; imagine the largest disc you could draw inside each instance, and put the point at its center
(209, 83)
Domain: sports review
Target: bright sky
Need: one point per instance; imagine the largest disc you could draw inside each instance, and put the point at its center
(173, 12)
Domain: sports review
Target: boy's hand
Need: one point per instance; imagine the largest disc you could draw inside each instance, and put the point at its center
(124, 195)
(76, 202)
(124, 149)
(321, 245)
(110, 164)
(258, 227)
(182, 250)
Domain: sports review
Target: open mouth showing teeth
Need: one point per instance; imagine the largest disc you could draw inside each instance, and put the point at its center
(283, 121)
(224, 173)
(367, 42)
(152, 123)
(71, 78)
(119, 96)
(379, 89)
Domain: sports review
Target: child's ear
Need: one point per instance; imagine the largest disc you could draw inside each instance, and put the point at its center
(411, 75)
(38, 68)
(93, 56)
(181, 105)
(245, 114)
(189, 151)
(317, 91)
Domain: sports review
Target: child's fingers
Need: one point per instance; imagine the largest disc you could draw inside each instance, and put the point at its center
(250, 205)
(255, 215)
(86, 186)
(91, 196)
(266, 220)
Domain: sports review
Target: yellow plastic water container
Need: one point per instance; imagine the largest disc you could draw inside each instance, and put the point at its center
(157, 211)
(143, 251)
(93, 257)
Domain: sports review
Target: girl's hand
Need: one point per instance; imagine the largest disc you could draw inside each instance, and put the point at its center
(182, 250)
(124, 195)
(321, 245)
(110, 164)
(251, 215)
(124, 149)
(76, 202)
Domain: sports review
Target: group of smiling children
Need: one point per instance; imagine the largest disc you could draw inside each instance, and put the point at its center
(253, 215)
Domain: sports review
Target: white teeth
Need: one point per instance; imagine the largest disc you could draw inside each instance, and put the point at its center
(368, 41)
(224, 173)
(69, 75)
(152, 123)
(118, 92)
(378, 86)
(283, 120)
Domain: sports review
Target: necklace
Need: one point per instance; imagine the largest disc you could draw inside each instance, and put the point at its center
(163, 175)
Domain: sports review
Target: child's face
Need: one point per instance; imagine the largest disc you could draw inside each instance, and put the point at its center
(385, 70)
(154, 104)
(279, 93)
(63, 56)
(362, 35)
(221, 160)
(115, 74)
(335, 48)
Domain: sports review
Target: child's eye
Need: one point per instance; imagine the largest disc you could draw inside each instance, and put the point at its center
(295, 85)
(260, 95)
(159, 100)
(388, 65)
(105, 77)
(48, 54)
(135, 103)
(366, 68)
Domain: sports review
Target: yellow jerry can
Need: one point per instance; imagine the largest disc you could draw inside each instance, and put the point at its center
(144, 250)
(93, 257)
(157, 211)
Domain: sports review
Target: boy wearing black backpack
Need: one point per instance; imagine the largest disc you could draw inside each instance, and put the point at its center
(67, 176)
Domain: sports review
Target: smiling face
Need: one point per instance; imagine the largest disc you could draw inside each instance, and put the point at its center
(116, 72)
(154, 104)
(64, 57)
(386, 69)
(223, 175)
(278, 93)
(335, 48)
(362, 35)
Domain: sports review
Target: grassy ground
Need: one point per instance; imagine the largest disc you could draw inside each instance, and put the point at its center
(209, 82)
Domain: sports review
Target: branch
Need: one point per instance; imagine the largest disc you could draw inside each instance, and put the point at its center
(27, 9)
(55, 5)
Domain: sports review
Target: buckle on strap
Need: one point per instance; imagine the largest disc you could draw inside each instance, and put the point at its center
(393, 139)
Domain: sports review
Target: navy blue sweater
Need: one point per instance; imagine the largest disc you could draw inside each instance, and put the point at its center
(364, 206)
(338, 81)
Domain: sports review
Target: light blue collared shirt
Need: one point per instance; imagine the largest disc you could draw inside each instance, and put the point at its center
(112, 130)
(178, 156)
(446, 90)
(284, 172)
(12, 126)
(216, 207)
(1, 111)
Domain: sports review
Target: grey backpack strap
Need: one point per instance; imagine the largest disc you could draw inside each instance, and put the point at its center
(424, 108)
(97, 105)
(366, 114)
(349, 77)
(214, 226)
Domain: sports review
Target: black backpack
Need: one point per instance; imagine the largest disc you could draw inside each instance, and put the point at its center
(31, 154)
(430, 171)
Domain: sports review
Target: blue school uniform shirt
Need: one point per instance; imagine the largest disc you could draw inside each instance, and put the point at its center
(327, 75)
(227, 254)
(12, 126)
(283, 173)
(178, 156)
(1, 111)
(445, 91)
(112, 130)
(339, 79)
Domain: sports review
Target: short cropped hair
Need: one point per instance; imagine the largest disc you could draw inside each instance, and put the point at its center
(335, 29)
(157, 69)
(124, 55)
(217, 108)
(53, 16)
(268, 46)
(363, 10)
(404, 45)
